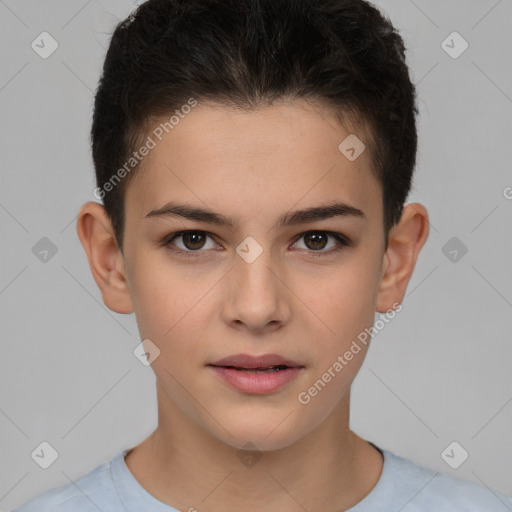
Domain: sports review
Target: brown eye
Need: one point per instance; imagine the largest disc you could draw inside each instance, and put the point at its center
(188, 242)
(193, 240)
(315, 241)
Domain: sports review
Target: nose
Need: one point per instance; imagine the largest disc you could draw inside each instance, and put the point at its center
(257, 296)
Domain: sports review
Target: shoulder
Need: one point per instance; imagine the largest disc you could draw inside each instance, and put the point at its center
(90, 493)
(419, 489)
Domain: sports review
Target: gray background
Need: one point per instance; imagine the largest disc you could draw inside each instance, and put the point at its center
(439, 372)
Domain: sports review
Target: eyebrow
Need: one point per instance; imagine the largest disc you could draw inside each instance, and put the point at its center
(307, 215)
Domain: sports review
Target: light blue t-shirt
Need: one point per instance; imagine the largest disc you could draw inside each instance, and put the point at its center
(403, 486)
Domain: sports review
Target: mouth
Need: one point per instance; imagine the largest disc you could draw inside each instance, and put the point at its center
(258, 370)
(264, 362)
(256, 375)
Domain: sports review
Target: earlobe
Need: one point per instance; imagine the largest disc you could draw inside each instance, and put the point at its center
(97, 237)
(406, 240)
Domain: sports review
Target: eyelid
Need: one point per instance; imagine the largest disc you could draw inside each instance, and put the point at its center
(177, 234)
(342, 241)
(334, 234)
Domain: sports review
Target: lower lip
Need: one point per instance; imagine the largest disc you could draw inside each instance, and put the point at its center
(256, 383)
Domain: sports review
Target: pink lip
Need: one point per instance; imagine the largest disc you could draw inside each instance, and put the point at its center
(235, 370)
(263, 361)
(256, 383)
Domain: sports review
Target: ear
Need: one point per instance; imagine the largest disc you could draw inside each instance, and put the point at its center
(405, 242)
(105, 258)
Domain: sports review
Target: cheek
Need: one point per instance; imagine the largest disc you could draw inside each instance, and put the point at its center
(173, 309)
(344, 300)
(162, 293)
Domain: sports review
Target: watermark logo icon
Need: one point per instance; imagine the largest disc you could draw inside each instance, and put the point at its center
(44, 250)
(44, 455)
(249, 455)
(44, 45)
(249, 249)
(454, 455)
(146, 352)
(352, 147)
(454, 249)
(454, 45)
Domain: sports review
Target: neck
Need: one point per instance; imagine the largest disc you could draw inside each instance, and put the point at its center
(331, 468)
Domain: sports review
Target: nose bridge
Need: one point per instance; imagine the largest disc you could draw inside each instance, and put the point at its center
(256, 292)
(255, 267)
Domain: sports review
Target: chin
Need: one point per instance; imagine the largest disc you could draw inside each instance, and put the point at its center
(260, 443)
(263, 434)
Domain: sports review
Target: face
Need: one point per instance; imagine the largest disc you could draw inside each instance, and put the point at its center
(303, 288)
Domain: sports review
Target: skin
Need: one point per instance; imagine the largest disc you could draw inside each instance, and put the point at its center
(253, 167)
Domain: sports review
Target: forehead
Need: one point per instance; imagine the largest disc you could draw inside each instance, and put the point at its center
(243, 163)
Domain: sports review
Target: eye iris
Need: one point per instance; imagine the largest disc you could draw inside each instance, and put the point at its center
(191, 239)
(315, 237)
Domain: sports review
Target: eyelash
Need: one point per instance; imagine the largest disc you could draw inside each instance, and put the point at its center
(341, 240)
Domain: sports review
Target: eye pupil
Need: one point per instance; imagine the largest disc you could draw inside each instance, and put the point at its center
(315, 237)
(195, 237)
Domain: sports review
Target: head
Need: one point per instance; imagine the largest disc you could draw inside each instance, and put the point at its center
(250, 111)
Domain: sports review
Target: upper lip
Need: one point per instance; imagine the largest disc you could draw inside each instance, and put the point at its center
(262, 361)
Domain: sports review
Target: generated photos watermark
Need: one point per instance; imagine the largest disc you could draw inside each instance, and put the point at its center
(139, 155)
(304, 397)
